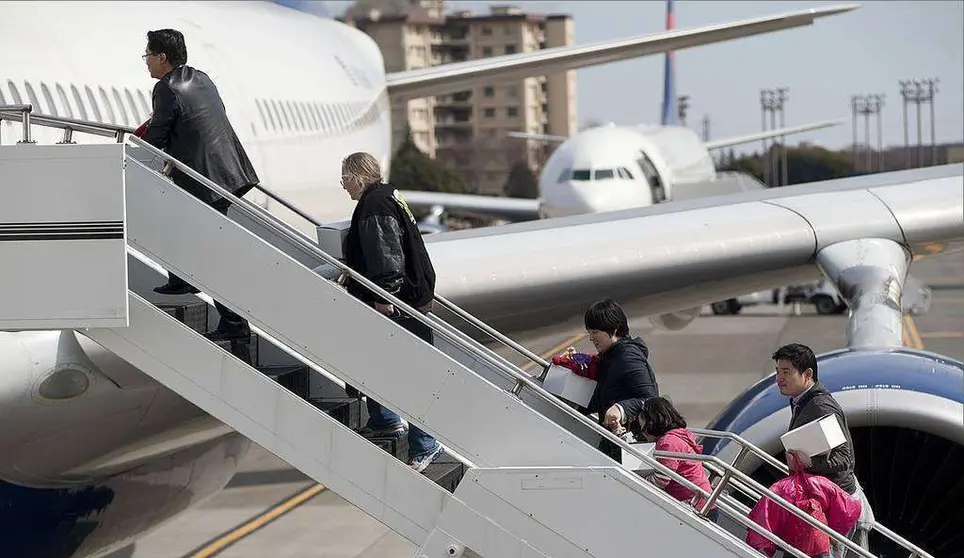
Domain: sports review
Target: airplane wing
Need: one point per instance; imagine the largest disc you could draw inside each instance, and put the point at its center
(514, 209)
(673, 257)
(450, 78)
(772, 134)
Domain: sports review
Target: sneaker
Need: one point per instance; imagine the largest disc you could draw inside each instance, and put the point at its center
(419, 464)
(396, 431)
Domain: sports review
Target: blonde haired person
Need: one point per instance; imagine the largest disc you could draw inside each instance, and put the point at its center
(384, 245)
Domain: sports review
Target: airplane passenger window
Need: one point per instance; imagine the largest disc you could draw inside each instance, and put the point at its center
(111, 118)
(14, 93)
(81, 109)
(68, 111)
(329, 120)
(133, 106)
(146, 106)
(310, 117)
(280, 108)
(317, 115)
(603, 174)
(564, 175)
(49, 98)
(120, 107)
(264, 121)
(33, 97)
(581, 175)
(296, 116)
(94, 107)
(93, 104)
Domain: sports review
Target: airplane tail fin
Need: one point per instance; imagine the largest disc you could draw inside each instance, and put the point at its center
(670, 109)
(772, 134)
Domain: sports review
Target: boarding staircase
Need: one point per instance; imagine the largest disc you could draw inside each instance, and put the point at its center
(522, 476)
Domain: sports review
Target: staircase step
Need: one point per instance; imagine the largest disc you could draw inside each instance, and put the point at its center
(397, 446)
(346, 410)
(446, 471)
(245, 349)
(192, 314)
(294, 378)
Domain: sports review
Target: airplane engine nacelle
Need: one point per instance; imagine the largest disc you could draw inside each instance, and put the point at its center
(904, 409)
(675, 321)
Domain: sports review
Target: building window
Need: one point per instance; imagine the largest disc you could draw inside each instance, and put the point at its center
(489, 92)
(507, 30)
(512, 112)
(486, 31)
(510, 49)
(486, 51)
(490, 113)
(512, 91)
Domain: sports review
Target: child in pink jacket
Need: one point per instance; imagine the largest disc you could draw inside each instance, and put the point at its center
(660, 422)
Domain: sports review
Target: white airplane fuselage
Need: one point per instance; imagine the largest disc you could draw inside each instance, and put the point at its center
(610, 168)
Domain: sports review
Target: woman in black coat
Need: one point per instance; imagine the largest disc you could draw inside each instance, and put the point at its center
(624, 378)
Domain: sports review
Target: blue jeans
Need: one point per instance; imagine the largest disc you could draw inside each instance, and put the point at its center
(419, 442)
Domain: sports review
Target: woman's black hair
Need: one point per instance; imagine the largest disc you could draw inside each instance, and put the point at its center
(607, 316)
(659, 416)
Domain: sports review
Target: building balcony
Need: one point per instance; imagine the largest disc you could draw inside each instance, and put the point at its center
(462, 99)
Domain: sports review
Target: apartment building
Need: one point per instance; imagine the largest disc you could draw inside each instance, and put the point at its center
(469, 130)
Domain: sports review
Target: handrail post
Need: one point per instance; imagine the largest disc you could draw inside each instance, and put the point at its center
(722, 485)
(119, 136)
(68, 136)
(25, 116)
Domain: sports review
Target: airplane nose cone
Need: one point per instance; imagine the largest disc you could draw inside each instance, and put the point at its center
(568, 198)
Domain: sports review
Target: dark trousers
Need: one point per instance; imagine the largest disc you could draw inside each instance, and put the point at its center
(420, 443)
(229, 319)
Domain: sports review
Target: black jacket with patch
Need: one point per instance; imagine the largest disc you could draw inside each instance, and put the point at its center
(384, 244)
(838, 464)
(190, 123)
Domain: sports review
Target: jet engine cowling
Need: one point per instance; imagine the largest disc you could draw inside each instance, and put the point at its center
(904, 409)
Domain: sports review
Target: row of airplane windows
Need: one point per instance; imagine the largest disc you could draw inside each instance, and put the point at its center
(124, 107)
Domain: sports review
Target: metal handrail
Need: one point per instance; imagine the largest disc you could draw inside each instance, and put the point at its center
(457, 337)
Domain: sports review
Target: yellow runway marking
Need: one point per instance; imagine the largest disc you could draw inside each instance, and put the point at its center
(911, 336)
(221, 543)
(527, 367)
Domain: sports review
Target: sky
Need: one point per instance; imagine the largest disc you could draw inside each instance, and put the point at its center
(865, 51)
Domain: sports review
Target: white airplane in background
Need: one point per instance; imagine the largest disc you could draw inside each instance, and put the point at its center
(83, 477)
(611, 167)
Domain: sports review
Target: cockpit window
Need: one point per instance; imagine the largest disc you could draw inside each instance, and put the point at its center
(604, 174)
(581, 175)
(564, 175)
(624, 173)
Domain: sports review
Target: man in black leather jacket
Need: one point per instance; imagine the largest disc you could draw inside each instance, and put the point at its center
(189, 122)
(385, 246)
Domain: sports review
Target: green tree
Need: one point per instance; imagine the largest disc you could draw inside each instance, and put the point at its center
(805, 163)
(413, 170)
(521, 183)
